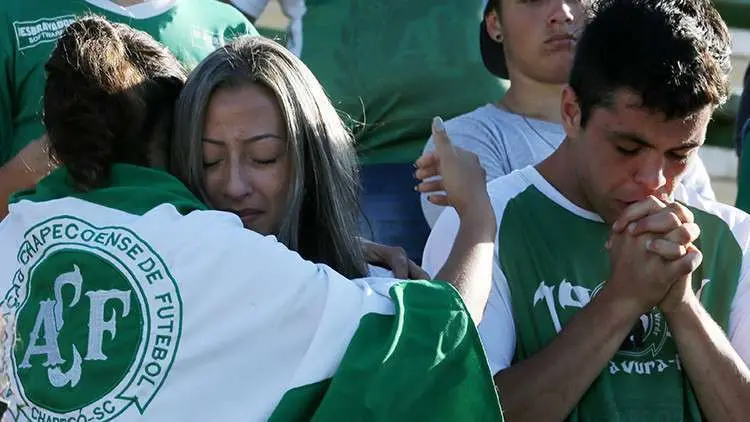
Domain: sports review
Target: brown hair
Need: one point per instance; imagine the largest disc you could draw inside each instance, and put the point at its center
(109, 96)
(320, 219)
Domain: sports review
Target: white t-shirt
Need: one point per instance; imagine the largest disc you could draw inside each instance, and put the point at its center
(506, 141)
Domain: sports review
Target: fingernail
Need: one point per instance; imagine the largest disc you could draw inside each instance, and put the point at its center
(607, 244)
(416, 188)
(631, 228)
(648, 244)
(414, 164)
(437, 124)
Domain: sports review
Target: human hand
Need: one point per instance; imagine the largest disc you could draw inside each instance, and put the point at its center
(461, 175)
(394, 259)
(651, 251)
(673, 221)
(681, 292)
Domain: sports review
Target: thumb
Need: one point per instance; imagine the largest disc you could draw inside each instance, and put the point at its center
(443, 143)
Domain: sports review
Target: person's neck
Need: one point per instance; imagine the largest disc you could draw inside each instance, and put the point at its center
(533, 99)
(126, 3)
(558, 170)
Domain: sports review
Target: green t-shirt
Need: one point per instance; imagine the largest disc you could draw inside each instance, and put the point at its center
(551, 261)
(191, 29)
(743, 178)
(394, 65)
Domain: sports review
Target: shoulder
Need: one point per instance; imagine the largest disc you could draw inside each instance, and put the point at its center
(222, 14)
(483, 125)
(445, 229)
(505, 188)
(715, 217)
(501, 190)
(488, 119)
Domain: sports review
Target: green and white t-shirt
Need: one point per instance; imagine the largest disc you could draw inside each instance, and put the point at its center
(550, 261)
(132, 302)
(191, 29)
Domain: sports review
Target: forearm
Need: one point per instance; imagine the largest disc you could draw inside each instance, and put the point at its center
(469, 265)
(13, 177)
(720, 379)
(562, 372)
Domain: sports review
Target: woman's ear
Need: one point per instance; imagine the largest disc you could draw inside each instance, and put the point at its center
(493, 26)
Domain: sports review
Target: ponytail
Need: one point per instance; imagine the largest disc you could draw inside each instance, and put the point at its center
(96, 100)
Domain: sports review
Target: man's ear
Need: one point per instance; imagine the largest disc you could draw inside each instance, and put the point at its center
(571, 113)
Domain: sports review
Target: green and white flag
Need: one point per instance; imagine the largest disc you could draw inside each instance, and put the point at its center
(133, 302)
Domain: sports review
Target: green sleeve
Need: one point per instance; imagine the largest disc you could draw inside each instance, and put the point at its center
(743, 177)
(6, 85)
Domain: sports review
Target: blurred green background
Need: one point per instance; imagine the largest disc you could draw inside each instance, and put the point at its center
(735, 12)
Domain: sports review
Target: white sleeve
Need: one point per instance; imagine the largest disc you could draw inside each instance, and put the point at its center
(738, 330)
(313, 309)
(7, 253)
(739, 320)
(497, 328)
(696, 178)
(252, 8)
(440, 242)
(739, 317)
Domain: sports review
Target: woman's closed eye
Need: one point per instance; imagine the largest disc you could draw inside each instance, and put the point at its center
(265, 162)
(209, 163)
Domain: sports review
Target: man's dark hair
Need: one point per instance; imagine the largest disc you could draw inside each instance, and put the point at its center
(673, 53)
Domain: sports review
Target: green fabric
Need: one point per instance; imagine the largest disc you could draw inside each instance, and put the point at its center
(395, 65)
(425, 363)
(721, 129)
(191, 30)
(120, 355)
(743, 179)
(736, 13)
(278, 35)
(550, 281)
(132, 189)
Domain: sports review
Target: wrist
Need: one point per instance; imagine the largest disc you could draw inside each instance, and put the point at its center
(477, 207)
(480, 216)
(622, 306)
(687, 305)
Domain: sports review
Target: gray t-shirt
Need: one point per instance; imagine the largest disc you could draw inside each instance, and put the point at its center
(506, 141)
